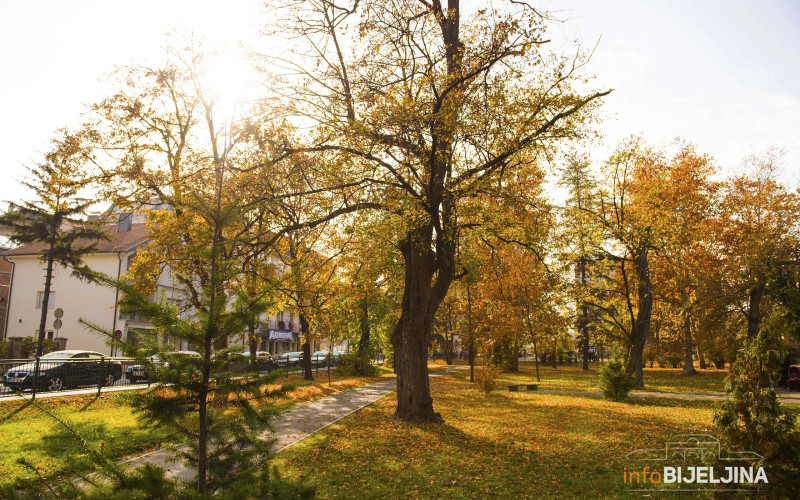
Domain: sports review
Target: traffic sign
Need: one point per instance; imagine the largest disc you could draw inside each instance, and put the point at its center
(58, 313)
(57, 324)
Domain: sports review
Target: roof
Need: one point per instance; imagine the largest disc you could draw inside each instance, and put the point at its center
(118, 242)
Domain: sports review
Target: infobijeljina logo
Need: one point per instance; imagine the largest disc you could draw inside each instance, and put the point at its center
(692, 463)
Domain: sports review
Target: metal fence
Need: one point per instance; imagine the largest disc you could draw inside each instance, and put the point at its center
(33, 376)
(40, 375)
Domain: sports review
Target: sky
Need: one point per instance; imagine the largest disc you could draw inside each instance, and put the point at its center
(721, 74)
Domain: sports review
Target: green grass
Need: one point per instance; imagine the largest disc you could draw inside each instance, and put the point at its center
(506, 445)
(109, 423)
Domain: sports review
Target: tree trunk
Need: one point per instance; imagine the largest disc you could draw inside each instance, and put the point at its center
(202, 396)
(48, 279)
(514, 357)
(470, 337)
(363, 342)
(701, 358)
(688, 358)
(412, 334)
(252, 343)
(754, 313)
(583, 321)
(642, 325)
(305, 336)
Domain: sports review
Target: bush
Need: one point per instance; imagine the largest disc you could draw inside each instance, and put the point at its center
(487, 378)
(28, 349)
(614, 382)
(350, 363)
(3, 349)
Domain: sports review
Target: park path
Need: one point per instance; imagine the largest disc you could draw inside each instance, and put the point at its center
(294, 425)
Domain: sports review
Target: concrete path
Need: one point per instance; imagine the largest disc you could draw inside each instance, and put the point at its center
(295, 425)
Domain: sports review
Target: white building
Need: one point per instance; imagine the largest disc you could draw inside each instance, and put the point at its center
(96, 303)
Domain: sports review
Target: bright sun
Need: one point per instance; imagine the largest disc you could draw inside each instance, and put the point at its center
(229, 78)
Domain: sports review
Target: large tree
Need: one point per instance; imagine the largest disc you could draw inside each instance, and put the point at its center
(424, 107)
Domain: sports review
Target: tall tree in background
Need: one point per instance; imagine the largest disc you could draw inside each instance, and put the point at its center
(624, 213)
(759, 227)
(57, 216)
(425, 112)
(688, 202)
(582, 241)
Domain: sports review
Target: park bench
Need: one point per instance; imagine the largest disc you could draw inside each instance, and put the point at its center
(523, 387)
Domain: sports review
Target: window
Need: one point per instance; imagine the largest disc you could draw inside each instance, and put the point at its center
(51, 300)
(129, 263)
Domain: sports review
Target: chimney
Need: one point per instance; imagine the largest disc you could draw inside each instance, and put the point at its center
(125, 220)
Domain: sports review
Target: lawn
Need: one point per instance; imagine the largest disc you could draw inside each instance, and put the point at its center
(506, 445)
(573, 378)
(109, 423)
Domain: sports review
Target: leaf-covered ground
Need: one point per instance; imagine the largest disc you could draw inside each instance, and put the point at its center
(506, 445)
(573, 378)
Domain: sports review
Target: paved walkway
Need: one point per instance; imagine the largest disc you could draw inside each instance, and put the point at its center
(295, 425)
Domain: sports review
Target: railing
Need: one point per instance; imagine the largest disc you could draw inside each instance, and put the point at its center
(33, 376)
(40, 375)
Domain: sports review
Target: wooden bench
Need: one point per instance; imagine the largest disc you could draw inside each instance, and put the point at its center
(523, 387)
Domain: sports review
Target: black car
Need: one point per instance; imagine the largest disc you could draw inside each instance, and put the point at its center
(61, 369)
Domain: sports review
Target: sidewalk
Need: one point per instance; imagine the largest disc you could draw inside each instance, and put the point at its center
(294, 425)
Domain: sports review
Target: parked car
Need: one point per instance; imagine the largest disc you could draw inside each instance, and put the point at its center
(263, 358)
(136, 373)
(321, 358)
(289, 359)
(60, 369)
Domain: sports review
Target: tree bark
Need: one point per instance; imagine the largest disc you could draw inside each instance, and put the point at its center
(363, 342)
(412, 334)
(48, 279)
(688, 358)
(253, 346)
(754, 313)
(471, 338)
(305, 335)
(514, 357)
(642, 325)
(583, 321)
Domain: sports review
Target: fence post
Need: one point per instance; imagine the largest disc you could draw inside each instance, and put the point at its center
(100, 380)
(35, 376)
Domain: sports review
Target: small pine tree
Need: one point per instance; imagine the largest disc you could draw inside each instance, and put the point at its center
(614, 382)
(56, 216)
(753, 419)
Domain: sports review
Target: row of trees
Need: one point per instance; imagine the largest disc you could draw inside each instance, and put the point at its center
(652, 248)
